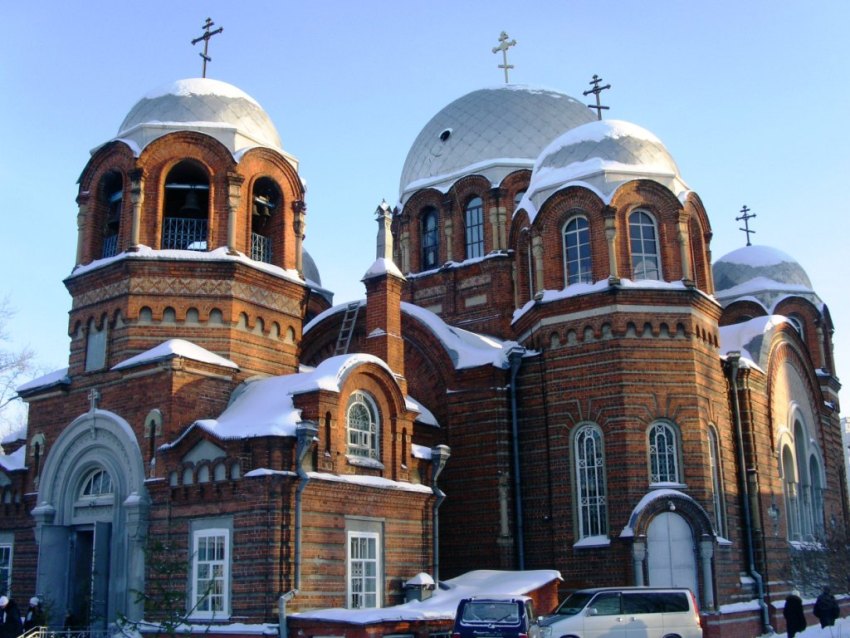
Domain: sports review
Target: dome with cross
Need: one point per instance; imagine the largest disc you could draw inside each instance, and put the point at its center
(491, 132)
(215, 108)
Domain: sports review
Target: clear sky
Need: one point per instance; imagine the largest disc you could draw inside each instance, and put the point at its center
(749, 97)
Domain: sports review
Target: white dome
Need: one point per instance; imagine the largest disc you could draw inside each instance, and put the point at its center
(762, 273)
(491, 132)
(207, 106)
(603, 155)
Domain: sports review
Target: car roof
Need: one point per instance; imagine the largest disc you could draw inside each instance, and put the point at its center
(497, 598)
(632, 588)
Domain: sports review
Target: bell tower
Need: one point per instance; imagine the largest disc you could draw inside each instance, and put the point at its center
(190, 226)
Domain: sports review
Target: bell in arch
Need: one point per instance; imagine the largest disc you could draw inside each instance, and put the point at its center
(191, 205)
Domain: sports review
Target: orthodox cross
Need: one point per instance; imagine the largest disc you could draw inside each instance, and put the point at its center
(596, 90)
(746, 217)
(504, 45)
(93, 397)
(206, 38)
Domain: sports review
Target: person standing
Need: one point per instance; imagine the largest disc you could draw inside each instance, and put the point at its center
(35, 614)
(826, 609)
(10, 618)
(795, 619)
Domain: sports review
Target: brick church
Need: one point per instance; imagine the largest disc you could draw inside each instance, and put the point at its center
(547, 371)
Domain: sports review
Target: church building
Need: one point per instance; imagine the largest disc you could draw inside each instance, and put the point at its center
(547, 371)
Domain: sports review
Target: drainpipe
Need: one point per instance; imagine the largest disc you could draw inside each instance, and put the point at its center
(515, 359)
(734, 361)
(439, 455)
(305, 432)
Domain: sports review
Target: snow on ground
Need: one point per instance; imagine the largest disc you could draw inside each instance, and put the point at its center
(814, 630)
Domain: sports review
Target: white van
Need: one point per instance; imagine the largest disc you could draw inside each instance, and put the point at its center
(625, 612)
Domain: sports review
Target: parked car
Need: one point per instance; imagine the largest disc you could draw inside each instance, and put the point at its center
(496, 617)
(625, 612)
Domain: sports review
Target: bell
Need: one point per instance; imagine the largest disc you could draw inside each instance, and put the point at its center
(190, 206)
(261, 207)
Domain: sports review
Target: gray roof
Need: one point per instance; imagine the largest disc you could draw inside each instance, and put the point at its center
(209, 106)
(492, 132)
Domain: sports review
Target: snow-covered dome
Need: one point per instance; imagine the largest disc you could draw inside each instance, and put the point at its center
(490, 132)
(208, 106)
(763, 273)
(603, 154)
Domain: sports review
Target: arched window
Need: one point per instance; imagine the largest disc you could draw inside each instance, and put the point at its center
(797, 322)
(577, 251)
(430, 238)
(643, 242)
(363, 426)
(113, 194)
(716, 483)
(186, 208)
(804, 485)
(96, 488)
(474, 225)
(663, 454)
(590, 482)
(265, 206)
(792, 501)
(817, 499)
(518, 198)
(95, 346)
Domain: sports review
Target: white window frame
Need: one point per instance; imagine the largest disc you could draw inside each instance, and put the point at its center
(580, 269)
(430, 238)
(663, 446)
(717, 482)
(7, 553)
(590, 482)
(96, 346)
(363, 439)
(791, 488)
(473, 218)
(641, 220)
(357, 579)
(199, 603)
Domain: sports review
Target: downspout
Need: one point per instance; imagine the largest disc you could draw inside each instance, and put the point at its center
(305, 433)
(515, 359)
(734, 360)
(439, 455)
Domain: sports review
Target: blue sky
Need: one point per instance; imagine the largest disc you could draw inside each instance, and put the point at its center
(749, 97)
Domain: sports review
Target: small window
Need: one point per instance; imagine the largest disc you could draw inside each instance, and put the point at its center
(363, 426)
(663, 454)
(474, 218)
(5, 566)
(577, 251)
(97, 483)
(210, 573)
(430, 239)
(364, 568)
(95, 346)
(643, 241)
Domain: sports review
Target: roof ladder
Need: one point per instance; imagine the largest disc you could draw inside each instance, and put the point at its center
(347, 328)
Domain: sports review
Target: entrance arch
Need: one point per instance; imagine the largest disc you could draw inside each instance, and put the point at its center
(91, 522)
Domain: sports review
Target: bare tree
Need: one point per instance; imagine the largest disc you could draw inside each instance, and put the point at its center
(14, 367)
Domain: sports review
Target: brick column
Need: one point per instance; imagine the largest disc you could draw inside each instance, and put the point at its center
(299, 227)
(136, 201)
(234, 199)
(609, 215)
(82, 214)
(685, 248)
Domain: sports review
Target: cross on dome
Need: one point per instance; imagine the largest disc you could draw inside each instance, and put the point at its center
(504, 45)
(206, 38)
(746, 217)
(596, 90)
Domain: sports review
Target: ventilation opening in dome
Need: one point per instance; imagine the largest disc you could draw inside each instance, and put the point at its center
(445, 135)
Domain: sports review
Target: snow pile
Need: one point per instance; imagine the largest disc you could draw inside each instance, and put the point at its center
(176, 348)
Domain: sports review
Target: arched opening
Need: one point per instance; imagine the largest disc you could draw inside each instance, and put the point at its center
(185, 217)
(266, 203)
(112, 194)
(430, 238)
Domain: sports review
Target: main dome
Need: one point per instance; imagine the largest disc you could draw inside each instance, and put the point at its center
(215, 108)
(492, 132)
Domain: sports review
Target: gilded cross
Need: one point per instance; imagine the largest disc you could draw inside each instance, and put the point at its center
(596, 90)
(746, 217)
(206, 38)
(504, 45)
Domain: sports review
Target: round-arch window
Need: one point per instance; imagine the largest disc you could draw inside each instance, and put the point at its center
(97, 483)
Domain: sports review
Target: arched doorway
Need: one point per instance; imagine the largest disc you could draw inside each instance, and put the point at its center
(671, 553)
(91, 523)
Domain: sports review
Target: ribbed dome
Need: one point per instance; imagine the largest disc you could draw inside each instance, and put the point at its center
(491, 132)
(208, 106)
(752, 262)
(603, 154)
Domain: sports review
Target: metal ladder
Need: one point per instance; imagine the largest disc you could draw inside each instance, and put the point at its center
(347, 328)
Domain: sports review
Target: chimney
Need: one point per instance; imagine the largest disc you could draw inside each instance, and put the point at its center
(384, 283)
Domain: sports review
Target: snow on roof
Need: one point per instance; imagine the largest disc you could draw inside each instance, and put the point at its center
(420, 452)
(14, 436)
(442, 605)
(264, 407)
(628, 530)
(57, 377)
(421, 579)
(466, 349)
(382, 266)
(199, 86)
(426, 417)
(747, 337)
(219, 254)
(14, 461)
(757, 256)
(176, 348)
